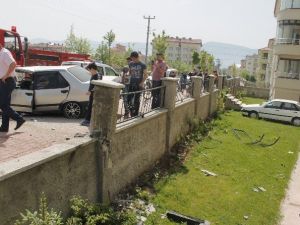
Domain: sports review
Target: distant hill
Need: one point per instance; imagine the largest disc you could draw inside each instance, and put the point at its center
(228, 53)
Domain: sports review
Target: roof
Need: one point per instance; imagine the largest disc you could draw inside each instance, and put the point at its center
(32, 69)
(286, 100)
(184, 40)
(265, 49)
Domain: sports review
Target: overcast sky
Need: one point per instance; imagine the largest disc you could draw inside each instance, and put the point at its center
(244, 22)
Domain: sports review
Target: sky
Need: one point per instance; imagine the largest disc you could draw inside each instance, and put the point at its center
(248, 23)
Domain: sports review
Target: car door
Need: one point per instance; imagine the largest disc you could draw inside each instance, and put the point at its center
(50, 90)
(289, 111)
(271, 110)
(22, 96)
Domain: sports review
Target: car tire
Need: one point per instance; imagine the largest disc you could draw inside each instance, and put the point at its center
(296, 122)
(72, 110)
(253, 115)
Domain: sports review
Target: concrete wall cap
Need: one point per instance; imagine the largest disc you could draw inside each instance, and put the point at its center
(170, 79)
(110, 84)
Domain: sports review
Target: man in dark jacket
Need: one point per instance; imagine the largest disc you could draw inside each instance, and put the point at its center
(92, 68)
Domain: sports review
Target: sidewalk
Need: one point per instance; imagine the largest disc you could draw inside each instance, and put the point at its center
(37, 133)
(290, 208)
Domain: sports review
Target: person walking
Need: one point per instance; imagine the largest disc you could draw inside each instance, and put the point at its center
(7, 85)
(159, 70)
(92, 68)
(138, 75)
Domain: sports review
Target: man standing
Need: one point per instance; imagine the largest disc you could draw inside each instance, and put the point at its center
(159, 69)
(7, 85)
(92, 68)
(138, 75)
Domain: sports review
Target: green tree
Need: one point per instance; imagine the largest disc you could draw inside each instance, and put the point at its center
(77, 44)
(206, 62)
(159, 43)
(101, 53)
(196, 58)
(245, 74)
(181, 66)
(110, 38)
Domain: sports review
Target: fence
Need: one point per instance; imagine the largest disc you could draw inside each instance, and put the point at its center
(184, 90)
(137, 104)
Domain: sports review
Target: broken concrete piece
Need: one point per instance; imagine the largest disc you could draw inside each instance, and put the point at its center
(208, 173)
(246, 217)
(262, 189)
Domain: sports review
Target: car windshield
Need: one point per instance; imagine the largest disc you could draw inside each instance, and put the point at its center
(81, 74)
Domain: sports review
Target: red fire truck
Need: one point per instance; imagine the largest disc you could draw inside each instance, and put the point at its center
(29, 56)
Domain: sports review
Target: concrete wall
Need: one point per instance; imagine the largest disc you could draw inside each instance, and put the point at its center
(60, 172)
(135, 148)
(99, 168)
(256, 92)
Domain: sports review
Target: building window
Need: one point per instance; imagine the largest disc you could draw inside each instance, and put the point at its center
(288, 32)
(290, 4)
(289, 68)
(265, 55)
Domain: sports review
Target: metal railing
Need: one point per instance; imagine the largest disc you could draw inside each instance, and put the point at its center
(137, 104)
(288, 41)
(184, 90)
(294, 76)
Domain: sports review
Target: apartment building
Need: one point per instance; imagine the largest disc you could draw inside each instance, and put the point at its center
(285, 81)
(182, 49)
(251, 64)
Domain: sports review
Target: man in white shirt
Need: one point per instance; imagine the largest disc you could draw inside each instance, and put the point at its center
(7, 85)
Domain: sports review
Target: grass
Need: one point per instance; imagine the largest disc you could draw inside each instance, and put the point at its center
(227, 198)
(250, 100)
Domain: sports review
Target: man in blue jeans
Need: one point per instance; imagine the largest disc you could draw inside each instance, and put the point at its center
(7, 85)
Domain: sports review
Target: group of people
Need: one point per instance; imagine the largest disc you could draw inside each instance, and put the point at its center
(133, 77)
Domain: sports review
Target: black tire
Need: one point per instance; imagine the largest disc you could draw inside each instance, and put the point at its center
(72, 110)
(296, 122)
(253, 114)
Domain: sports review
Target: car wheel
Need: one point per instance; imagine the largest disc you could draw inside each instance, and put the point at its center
(72, 110)
(253, 115)
(296, 122)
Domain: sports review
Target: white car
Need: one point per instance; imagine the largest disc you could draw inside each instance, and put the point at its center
(109, 74)
(277, 109)
(51, 88)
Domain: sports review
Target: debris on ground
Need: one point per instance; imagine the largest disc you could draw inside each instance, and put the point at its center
(80, 135)
(246, 217)
(257, 141)
(269, 145)
(67, 139)
(259, 189)
(180, 218)
(140, 207)
(290, 152)
(208, 173)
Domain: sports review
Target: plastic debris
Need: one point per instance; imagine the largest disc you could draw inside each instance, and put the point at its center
(208, 173)
(180, 218)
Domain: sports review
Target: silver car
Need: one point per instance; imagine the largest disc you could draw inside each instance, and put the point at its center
(51, 88)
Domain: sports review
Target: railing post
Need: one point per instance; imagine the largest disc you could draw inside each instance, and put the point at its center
(211, 92)
(103, 127)
(197, 89)
(220, 82)
(169, 103)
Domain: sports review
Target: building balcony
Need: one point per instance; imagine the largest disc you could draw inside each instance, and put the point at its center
(287, 47)
(287, 80)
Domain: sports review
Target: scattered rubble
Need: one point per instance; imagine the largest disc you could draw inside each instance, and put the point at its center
(259, 189)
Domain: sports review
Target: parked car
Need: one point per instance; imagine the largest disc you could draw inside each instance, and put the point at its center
(51, 88)
(277, 109)
(107, 71)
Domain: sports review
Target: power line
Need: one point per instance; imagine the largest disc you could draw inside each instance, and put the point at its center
(149, 18)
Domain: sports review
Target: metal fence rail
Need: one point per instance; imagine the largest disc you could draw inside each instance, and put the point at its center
(184, 90)
(137, 104)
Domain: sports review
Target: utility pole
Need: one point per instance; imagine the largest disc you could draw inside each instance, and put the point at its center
(149, 18)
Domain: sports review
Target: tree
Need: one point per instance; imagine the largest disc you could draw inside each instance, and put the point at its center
(196, 58)
(245, 74)
(159, 43)
(102, 53)
(77, 44)
(206, 62)
(110, 38)
(181, 66)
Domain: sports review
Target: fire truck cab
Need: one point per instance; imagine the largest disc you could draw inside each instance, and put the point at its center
(12, 41)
